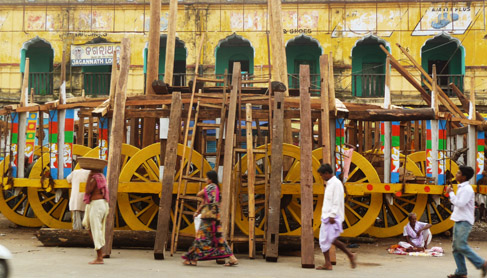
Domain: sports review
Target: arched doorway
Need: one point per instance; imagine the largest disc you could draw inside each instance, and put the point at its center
(303, 50)
(368, 67)
(96, 78)
(179, 70)
(41, 55)
(448, 55)
(234, 48)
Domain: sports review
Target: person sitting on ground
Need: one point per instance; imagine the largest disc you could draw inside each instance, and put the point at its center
(417, 233)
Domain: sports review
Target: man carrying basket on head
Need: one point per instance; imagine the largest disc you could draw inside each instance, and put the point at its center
(96, 198)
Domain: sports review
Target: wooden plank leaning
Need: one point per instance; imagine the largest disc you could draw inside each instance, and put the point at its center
(116, 140)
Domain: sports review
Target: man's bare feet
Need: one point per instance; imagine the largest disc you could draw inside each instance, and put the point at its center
(325, 267)
(353, 261)
(97, 261)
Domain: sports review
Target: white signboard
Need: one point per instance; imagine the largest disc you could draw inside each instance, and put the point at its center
(93, 54)
(455, 20)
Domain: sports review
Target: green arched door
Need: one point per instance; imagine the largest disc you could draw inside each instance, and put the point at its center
(303, 50)
(40, 56)
(234, 49)
(368, 68)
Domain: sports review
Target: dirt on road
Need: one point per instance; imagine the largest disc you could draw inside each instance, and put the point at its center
(31, 259)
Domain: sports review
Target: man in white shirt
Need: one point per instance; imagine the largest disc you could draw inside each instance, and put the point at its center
(76, 204)
(463, 215)
(417, 233)
(332, 216)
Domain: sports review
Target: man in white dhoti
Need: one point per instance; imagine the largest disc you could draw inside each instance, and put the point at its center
(97, 198)
(417, 233)
(332, 216)
(76, 204)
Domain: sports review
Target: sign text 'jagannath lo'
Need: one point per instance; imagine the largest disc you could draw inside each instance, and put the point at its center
(93, 54)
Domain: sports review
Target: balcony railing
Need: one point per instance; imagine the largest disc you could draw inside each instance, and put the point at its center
(445, 79)
(41, 82)
(314, 81)
(368, 85)
(97, 83)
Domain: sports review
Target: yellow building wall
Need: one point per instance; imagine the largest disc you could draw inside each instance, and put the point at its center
(337, 28)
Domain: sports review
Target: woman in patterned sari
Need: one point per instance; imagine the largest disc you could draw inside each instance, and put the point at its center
(209, 243)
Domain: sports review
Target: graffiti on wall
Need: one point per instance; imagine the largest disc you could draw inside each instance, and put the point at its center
(164, 21)
(438, 19)
(357, 23)
(96, 20)
(3, 18)
(301, 20)
(252, 20)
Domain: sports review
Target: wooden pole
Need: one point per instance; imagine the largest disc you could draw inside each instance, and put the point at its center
(274, 213)
(228, 158)
(171, 41)
(61, 118)
(331, 84)
(116, 139)
(23, 122)
(250, 180)
(170, 161)
(306, 145)
(387, 125)
(325, 110)
(152, 66)
(113, 78)
(434, 128)
(472, 132)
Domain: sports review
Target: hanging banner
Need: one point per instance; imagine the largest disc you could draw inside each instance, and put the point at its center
(53, 132)
(103, 138)
(93, 54)
(339, 141)
(14, 146)
(395, 153)
(68, 142)
(31, 136)
(480, 154)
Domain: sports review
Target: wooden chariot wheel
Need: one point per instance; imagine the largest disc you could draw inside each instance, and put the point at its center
(361, 210)
(438, 208)
(52, 212)
(393, 215)
(14, 203)
(141, 177)
(290, 216)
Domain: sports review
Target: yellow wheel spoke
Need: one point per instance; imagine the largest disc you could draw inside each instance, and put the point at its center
(407, 201)
(63, 209)
(362, 180)
(47, 199)
(294, 215)
(358, 203)
(438, 213)
(153, 173)
(141, 177)
(350, 175)
(445, 208)
(141, 212)
(140, 199)
(53, 208)
(353, 211)
(19, 202)
(286, 223)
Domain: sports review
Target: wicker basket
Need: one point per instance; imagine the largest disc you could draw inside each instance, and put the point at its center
(90, 163)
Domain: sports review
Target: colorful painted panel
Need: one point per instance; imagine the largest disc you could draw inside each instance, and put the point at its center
(68, 142)
(480, 154)
(31, 136)
(53, 133)
(395, 153)
(441, 151)
(339, 141)
(103, 138)
(14, 145)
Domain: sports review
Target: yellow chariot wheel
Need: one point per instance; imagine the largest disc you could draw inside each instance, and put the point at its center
(438, 207)
(15, 205)
(395, 209)
(141, 177)
(51, 211)
(290, 217)
(361, 211)
(127, 152)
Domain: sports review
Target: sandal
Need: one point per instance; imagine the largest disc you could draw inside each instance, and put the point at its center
(230, 263)
(323, 267)
(456, 276)
(189, 263)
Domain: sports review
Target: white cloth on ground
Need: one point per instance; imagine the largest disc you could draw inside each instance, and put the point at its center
(76, 198)
(95, 219)
(77, 216)
(464, 203)
(418, 241)
(334, 201)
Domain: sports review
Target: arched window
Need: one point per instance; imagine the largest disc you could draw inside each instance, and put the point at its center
(449, 57)
(41, 55)
(303, 50)
(96, 79)
(232, 49)
(368, 68)
(179, 70)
